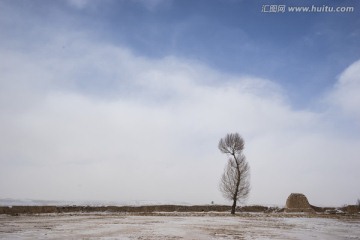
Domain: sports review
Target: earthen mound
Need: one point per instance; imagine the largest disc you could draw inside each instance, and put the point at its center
(297, 202)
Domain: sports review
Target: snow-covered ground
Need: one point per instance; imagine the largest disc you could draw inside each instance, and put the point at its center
(176, 226)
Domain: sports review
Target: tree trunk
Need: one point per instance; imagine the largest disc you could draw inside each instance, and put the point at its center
(233, 207)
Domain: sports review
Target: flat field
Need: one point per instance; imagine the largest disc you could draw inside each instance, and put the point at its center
(175, 225)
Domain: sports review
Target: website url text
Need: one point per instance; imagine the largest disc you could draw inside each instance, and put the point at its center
(307, 9)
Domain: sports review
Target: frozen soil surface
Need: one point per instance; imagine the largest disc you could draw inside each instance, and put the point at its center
(162, 226)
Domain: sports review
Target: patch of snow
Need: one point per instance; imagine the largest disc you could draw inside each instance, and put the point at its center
(176, 226)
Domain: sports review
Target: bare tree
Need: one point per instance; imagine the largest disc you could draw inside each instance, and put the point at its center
(358, 203)
(235, 181)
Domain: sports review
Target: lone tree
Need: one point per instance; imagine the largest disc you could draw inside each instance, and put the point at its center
(235, 181)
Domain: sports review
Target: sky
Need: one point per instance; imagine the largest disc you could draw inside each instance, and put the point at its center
(126, 100)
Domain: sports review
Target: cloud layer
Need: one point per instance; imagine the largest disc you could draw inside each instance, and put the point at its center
(85, 120)
(345, 94)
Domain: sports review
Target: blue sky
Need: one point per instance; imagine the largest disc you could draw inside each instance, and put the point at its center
(303, 52)
(84, 83)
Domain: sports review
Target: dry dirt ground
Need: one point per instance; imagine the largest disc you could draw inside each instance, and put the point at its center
(162, 226)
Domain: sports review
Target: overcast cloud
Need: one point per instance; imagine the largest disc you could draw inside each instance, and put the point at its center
(84, 119)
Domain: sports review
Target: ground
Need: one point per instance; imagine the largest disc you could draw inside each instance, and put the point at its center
(175, 225)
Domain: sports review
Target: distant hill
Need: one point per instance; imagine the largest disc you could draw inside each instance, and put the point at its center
(33, 202)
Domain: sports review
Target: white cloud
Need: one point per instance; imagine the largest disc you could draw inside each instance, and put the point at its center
(346, 94)
(93, 121)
